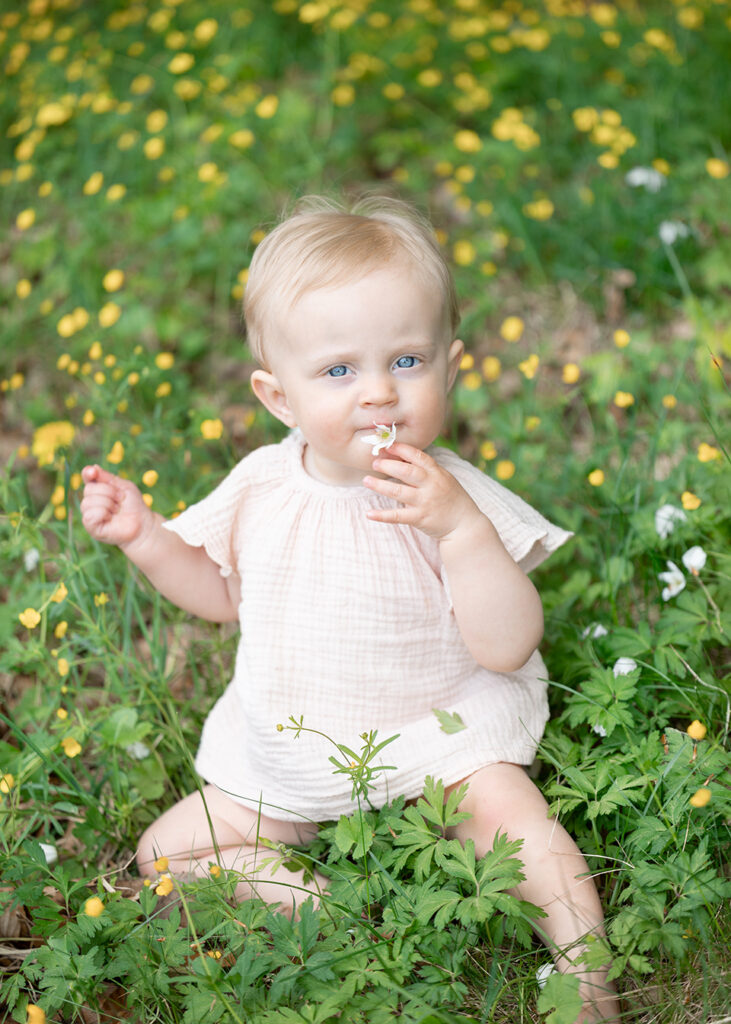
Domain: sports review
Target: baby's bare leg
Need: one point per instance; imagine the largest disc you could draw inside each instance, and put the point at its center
(501, 797)
(183, 835)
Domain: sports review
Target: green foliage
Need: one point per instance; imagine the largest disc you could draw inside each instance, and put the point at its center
(602, 401)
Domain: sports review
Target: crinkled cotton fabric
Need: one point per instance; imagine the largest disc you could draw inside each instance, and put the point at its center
(347, 626)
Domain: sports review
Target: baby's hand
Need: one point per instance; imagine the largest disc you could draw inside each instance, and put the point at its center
(112, 509)
(430, 498)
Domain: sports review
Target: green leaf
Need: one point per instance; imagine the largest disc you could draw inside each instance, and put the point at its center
(449, 723)
(561, 992)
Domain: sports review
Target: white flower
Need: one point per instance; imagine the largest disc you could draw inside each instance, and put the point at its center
(599, 729)
(671, 230)
(645, 177)
(594, 631)
(49, 852)
(694, 559)
(665, 519)
(674, 579)
(623, 666)
(544, 972)
(383, 437)
(138, 750)
(31, 558)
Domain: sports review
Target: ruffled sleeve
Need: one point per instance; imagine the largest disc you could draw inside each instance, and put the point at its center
(528, 537)
(211, 522)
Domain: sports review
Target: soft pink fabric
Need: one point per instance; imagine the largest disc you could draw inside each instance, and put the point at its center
(348, 623)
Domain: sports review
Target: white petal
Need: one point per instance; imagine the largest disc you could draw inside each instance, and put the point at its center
(31, 558)
(599, 730)
(623, 666)
(694, 559)
(666, 518)
(139, 751)
(49, 852)
(544, 972)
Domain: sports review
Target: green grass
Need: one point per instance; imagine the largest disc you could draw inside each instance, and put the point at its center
(515, 128)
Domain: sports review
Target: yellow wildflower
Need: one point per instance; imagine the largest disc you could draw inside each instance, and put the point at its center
(467, 141)
(165, 886)
(541, 209)
(205, 30)
(25, 219)
(101, 599)
(93, 184)
(464, 252)
(505, 469)
(109, 314)
(61, 629)
(491, 368)
(707, 452)
(343, 94)
(529, 367)
(621, 338)
(689, 501)
(212, 429)
(488, 451)
(623, 399)
(471, 381)
(161, 864)
(62, 714)
(669, 401)
(164, 389)
(23, 288)
(701, 797)
(34, 1014)
(93, 907)
(60, 593)
(72, 748)
(696, 730)
(214, 871)
(570, 373)
(116, 455)
(181, 63)
(596, 477)
(267, 107)
(242, 139)
(150, 477)
(467, 361)
(511, 328)
(717, 168)
(29, 618)
(532, 423)
(6, 783)
(63, 667)
(164, 360)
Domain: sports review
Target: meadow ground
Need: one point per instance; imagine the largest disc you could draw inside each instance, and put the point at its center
(574, 159)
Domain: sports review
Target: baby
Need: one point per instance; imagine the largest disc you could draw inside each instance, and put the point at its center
(373, 582)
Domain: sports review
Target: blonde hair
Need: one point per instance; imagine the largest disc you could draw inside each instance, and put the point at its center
(323, 244)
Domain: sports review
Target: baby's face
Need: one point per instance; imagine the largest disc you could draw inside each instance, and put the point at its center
(376, 350)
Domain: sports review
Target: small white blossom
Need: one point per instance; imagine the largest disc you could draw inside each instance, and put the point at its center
(49, 852)
(383, 437)
(665, 519)
(674, 579)
(671, 230)
(599, 729)
(645, 177)
(138, 750)
(594, 631)
(694, 559)
(623, 666)
(544, 972)
(31, 558)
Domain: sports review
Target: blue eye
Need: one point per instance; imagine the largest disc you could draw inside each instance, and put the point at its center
(337, 371)
(406, 362)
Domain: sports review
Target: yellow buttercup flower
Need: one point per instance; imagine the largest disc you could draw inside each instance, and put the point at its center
(701, 797)
(109, 314)
(161, 864)
(72, 748)
(93, 907)
(570, 373)
(464, 252)
(621, 338)
(93, 184)
(6, 783)
(696, 730)
(212, 429)
(267, 107)
(164, 360)
(707, 452)
(491, 368)
(505, 469)
(511, 328)
(60, 593)
(181, 63)
(63, 667)
(34, 1014)
(624, 399)
(689, 501)
(25, 219)
(165, 886)
(596, 477)
(467, 141)
(529, 367)
(150, 477)
(471, 381)
(29, 618)
(215, 871)
(717, 168)
(48, 438)
(488, 451)
(116, 455)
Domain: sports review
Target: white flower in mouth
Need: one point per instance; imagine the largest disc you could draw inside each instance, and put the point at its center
(383, 437)
(694, 559)
(674, 579)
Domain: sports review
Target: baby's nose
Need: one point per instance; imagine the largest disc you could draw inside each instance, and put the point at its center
(378, 390)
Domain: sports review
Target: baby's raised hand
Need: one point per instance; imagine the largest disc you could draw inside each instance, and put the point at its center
(112, 509)
(429, 496)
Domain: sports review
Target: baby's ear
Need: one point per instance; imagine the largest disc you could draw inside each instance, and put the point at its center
(454, 358)
(271, 394)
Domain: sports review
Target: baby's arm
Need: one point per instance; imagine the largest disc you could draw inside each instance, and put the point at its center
(497, 608)
(112, 510)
